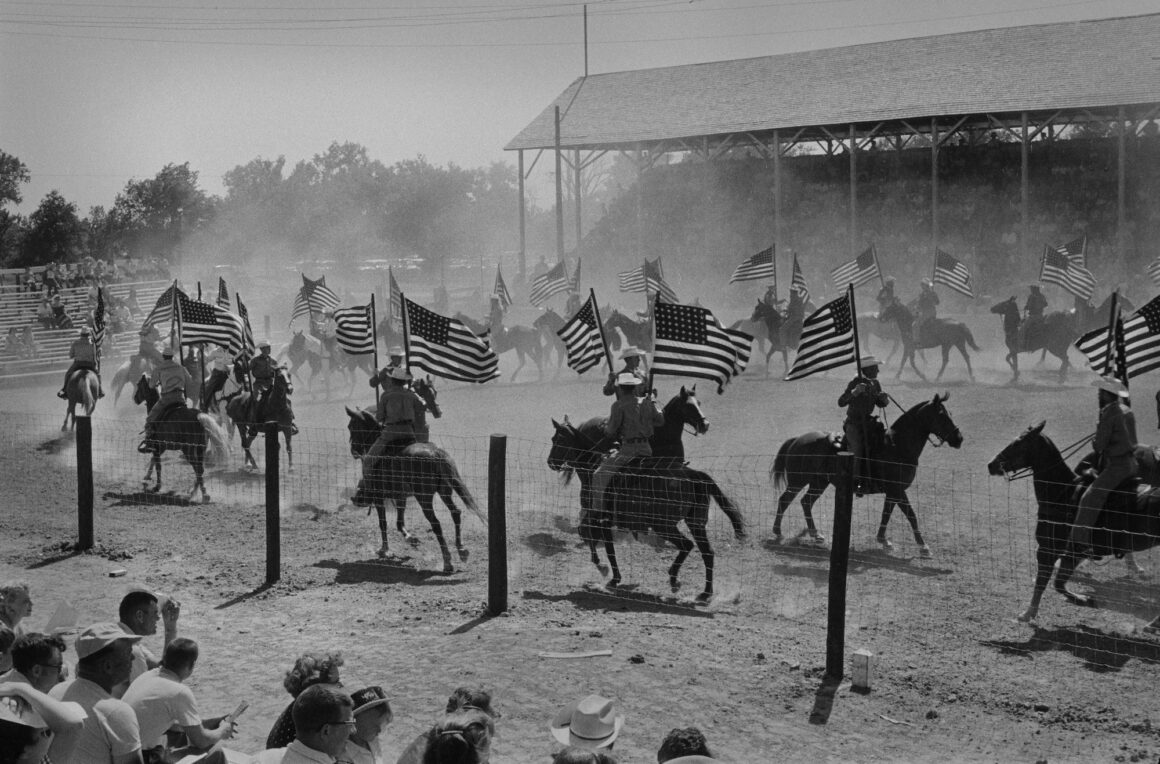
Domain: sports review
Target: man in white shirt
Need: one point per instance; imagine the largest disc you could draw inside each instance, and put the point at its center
(161, 701)
(110, 734)
(139, 613)
(323, 720)
(37, 660)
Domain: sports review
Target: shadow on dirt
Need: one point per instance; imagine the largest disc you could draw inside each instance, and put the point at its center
(621, 599)
(243, 597)
(56, 445)
(1100, 651)
(1138, 598)
(233, 477)
(147, 498)
(376, 571)
(545, 544)
(860, 561)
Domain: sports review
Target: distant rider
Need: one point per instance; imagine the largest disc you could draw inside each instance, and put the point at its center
(861, 396)
(1032, 313)
(171, 380)
(886, 295)
(631, 421)
(84, 355)
(926, 307)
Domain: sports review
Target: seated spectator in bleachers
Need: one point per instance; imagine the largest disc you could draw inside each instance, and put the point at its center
(460, 738)
(139, 612)
(110, 732)
(13, 343)
(60, 317)
(372, 713)
(686, 746)
(28, 345)
(15, 605)
(323, 717)
(463, 698)
(131, 303)
(31, 721)
(44, 313)
(310, 669)
(161, 700)
(38, 660)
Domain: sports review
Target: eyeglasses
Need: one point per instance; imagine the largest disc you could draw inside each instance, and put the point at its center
(58, 666)
(349, 723)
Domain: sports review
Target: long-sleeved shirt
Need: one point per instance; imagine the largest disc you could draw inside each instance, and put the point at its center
(633, 419)
(1116, 432)
(401, 412)
(83, 351)
(171, 377)
(861, 405)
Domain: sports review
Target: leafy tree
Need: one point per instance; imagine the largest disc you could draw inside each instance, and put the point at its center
(157, 212)
(13, 173)
(54, 232)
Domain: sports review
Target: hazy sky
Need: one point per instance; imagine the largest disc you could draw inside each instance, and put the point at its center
(94, 93)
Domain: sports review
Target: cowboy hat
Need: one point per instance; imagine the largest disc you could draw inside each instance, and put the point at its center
(264, 344)
(627, 379)
(588, 723)
(867, 361)
(1111, 385)
(395, 350)
(631, 352)
(400, 374)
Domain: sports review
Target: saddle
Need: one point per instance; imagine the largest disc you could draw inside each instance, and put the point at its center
(168, 410)
(875, 437)
(80, 369)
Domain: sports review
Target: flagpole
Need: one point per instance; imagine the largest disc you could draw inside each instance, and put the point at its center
(774, 259)
(406, 330)
(246, 327)
(1110, 358)
(854, 321)
(600, 328)
(201, 361)
(173, 314)
(881, 278)
(375, 345)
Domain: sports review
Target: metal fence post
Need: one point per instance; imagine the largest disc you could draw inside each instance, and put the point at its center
(497, 572)
(84, 427)
(273, 516)
(839, 562)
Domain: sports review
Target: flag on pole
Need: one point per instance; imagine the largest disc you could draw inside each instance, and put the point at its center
(445, 347)
(861, 270)
(1076, 251)
(583, 338)
(353, 329)
(827, 339)
(798, 280)
(690, 342)
(631, 281)
(501, 290)
(203, 322)
(163, 309)
(574, 283)
(952, 273)
(1141, 343)
(1154, 270)
(313, 297)
(755, 268)
(223, 298)
(1057, 268)
(654, 280)
(551, 282)
(248, 346)
(395, 298)
(99, 319)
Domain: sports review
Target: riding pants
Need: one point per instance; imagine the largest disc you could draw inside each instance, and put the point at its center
(166, 403)
(1117, 470)
(855, 431)
(603, 475)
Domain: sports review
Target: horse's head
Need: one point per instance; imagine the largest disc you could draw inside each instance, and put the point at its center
(142, 390)
(363, 429)
(282, 383)
(686, 409)
(568, 448)
(1006, 307)
(424, 387)
(297, 341)
(938, 421)
(1020, 453)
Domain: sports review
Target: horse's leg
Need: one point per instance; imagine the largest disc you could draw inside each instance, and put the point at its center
(68, 410)
(1063, 367)
(610, 553)
(289, 449)
(887, 510)
(198, 464)
(384, 545)
(520, 356)
(701, 538)
(673, 534)
(448, 497)
(428, 506)
(157, 464)
(1044, 566)
(915, 366)
(1067, 565)
(783, 502)
(814, 493)
(904, 504)
(963, 349)
(946, 356)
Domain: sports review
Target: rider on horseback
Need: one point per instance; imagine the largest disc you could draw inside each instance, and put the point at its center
(171, 380)
(1115, 445)
(861, 396)
(401, 413)
(84, 355)
(263, 369)
(633, 364)
(396, 358)
(1032, 313)
(926, 307)
(885, 294)
(631, 422)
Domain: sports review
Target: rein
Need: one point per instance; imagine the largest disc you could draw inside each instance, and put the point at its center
(1064, 455)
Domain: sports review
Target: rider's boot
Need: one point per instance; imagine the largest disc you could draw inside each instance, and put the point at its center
(144, 446)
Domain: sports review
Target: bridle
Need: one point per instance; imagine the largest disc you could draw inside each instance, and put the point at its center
(1025, 472)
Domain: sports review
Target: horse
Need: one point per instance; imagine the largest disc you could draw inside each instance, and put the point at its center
(870, 326)
(304, 351)
(653, 493)
(127, 373)
(1129, 523)
(525, 340)
(349, 363)
(83, 388)
(808, 461)
(636, 333)
(424, 387)
(242, 411)
(186, 430)
(421, 470)
(549, 324)
(1054, 333)
(935, 333)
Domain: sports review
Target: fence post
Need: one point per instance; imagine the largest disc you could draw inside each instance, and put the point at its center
(273, 516)
(839, 562)
(497, 572)
(84, 427)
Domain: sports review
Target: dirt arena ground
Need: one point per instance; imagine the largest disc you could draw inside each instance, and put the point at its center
(957, 677)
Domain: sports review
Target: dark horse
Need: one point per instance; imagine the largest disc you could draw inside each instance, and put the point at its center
(548, 324)
(654, 493)
(82, 389)
(250, 423)
(1130, 521)
(422, 470)
(185, 430)
(1054, 333)
(807, 461)
(934, 333)
(637, 333)
(525, 340)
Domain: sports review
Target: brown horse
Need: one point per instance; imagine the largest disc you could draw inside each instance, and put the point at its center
(1054, 333)
(82, 388)
(250, 423)
(935, 333)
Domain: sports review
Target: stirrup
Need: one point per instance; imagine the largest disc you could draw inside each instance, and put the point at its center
(144, 448)
(62, 395)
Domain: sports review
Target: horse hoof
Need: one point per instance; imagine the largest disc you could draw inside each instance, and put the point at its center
(777, 538)
(205, 498)
(448, 568)
(464, 554)
(613, 582)
(1027, 616)
(818, 539)
(382, 551)
(603, 569)
(885, 543)
(704, 598)
(924, 552)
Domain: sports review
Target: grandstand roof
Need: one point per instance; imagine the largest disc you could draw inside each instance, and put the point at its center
(1075, 65)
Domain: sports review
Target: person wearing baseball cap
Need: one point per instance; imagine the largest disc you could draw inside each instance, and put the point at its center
(110, 732)
(372, 713)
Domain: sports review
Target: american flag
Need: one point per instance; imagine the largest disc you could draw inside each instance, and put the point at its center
(99, 319)
(631, 281)
(861, 270)
(248, 347)
(1154, 270)
(551, 282)
(827, 339)
(501, 290)
(1076, 251)
(756, 267)
(445, 347)
(1141, 343)
(395, 298)
(574, 282)
(163, 309)
(223, 298)
(313, 297)
(690, 342)
(202, 322)
(952, 273)
(654, 280)
(798, 281)
(354, 329)
(1057, 268)
(583, 338)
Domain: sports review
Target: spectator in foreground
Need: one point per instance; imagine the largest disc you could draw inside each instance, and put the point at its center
(7, 638)
(38, 661)
(139, 612)
(463, 737)
(323, 718)
(310, 669)
(591, 723)
(30, 721)
(686, 746)
(573, 755)
(372, 713)
(463, 698)
(15, 605)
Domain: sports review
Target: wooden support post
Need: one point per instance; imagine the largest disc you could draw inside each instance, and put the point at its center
(273, 513)
(497, 575)
(839, 562)
(84, 427)
(523, 225)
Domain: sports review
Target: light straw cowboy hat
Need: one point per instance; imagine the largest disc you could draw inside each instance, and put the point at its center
(589, 723)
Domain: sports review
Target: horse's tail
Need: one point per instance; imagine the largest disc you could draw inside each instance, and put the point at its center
(451, 473)
(779, 472)
(89, 385)
(725, 503)
(970, 337)
(219, 445)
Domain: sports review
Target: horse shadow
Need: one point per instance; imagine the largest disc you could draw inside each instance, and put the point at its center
(147, 499)
(545, 544)
(1100, 651)
(376, 571)
(233, 477)
(859, 561)
(622, 598)
(1130, 596)
(54, 446)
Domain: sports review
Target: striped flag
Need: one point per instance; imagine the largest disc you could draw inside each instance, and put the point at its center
(861, 270)
(552, 282)
(164, 308)
(631, 281)
(203, 322)
(223, 298)
(798, 280)
(1076, 251)
(248, 346)
(574, 282)
(952, 273)
(756, 267)
(445, 347)
(827, 339)
(584, 338)
(1154, 270)
(1057, 268)
(654, 280)
(1141, 343)
(501, 290)
(99, 319)
(395, 298)
(690, 342)
(313, 297)
(353, 329)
